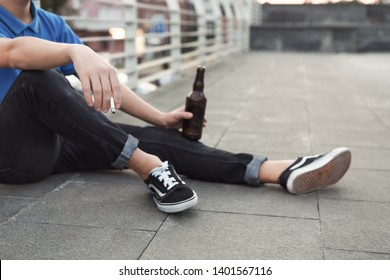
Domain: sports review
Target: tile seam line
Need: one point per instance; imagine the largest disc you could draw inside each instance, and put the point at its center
(19, 197)
(82, 226)
(355, 200)
(369, 169)
(327, 145)
(33, 203)
(357, 251)
(372, 110)
(255, 215)
(320, 225)
(153, 237)
(235, 117)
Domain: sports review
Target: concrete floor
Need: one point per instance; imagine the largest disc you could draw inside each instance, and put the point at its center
(281, 105)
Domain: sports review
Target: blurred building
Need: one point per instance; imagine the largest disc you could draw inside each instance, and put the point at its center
(342, 27)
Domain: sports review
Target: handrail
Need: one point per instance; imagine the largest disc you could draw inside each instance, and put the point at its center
(165, 39)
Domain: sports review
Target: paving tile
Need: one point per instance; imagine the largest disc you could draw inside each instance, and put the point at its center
(347, 124)
(374, 139)
(355, 225)
(224, 106)
(378, 101)
(9, 206)
(385, 119)
(353, 255)
(282, 109)
(219, 117)
(212, 134)
(266, 200)
(206, 235)
(361, 184)
(367, 158)
(338, 108)
(112, 199)
(264, 143)
(269, 125)
(273, 112)
(34, 190)
(20, 241)
(364, 158)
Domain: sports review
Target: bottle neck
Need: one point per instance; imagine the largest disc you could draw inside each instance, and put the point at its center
(199, 82)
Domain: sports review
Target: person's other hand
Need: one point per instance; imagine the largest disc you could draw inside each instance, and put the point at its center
(174, 119)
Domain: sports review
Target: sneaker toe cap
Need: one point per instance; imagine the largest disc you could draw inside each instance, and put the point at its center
(179, 194)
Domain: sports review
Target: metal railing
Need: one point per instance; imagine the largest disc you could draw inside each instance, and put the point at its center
(155, 40)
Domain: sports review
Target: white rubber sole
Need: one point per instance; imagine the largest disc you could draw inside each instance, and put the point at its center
(322, 173)
(177, 207)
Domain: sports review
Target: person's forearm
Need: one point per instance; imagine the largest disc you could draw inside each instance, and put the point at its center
(133, 105)
(96, 75)
(28, 53)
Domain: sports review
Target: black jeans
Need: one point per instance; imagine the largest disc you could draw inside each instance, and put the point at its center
(46, 128)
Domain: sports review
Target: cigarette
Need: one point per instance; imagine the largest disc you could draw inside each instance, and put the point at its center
(112, 105)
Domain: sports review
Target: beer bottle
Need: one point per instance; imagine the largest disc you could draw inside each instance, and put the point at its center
(196, 104)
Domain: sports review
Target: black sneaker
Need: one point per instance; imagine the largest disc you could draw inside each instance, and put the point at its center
(171, 193)
(308, 174)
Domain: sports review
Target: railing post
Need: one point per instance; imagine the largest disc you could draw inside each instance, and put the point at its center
(230, 26)
(174, 14)
(201, 22)
(247, 16)
(236, 25)
(131, 63)
(218, 29)
(243, 38)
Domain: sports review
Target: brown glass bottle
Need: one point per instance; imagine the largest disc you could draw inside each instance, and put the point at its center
(196, 104)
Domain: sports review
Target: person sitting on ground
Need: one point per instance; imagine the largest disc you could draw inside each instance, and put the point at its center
(47, 127)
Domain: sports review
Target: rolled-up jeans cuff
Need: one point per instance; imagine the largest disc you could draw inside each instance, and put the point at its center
(253, 169)
(130, 146)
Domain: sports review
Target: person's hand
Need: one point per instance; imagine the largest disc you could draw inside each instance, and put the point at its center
(97, 77)
(174, 119)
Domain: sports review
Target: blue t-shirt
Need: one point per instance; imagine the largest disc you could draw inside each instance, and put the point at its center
(46, 26)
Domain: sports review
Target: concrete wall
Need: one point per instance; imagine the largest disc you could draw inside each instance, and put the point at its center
(324, 28)
(313, 13)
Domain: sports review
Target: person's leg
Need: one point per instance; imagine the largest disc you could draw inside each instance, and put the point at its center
(202, 162)
(196, 160)
(271, 170)
(190, 158)
(28, 149)
(307, 174)
(42, 107)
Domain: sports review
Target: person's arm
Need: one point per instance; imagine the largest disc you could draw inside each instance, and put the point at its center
(96, 75)
(133, 105)
(29, 53)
